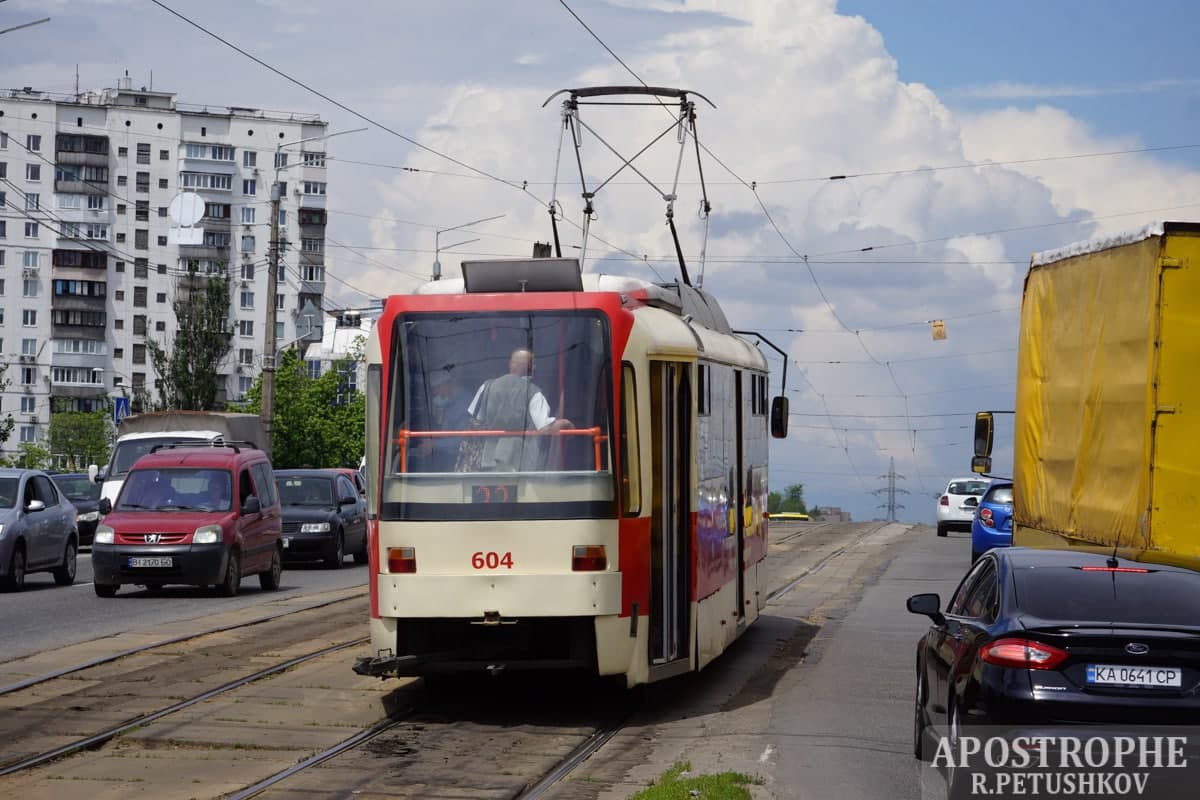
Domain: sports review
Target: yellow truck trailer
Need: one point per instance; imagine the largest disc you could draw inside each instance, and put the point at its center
(1106, 450)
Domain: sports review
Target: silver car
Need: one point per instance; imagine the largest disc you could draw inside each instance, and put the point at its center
(37, 529)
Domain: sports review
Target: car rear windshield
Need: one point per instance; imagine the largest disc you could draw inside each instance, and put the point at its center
(1001, 494)
(1068, 594)
(967, 487)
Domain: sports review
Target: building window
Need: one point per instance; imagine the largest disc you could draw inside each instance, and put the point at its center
(160, 298)
(247, 244)
(217, 210)
(249, 187)
(3, 201)
(244, 385)
(119, 352)
(32, 201)
(279, 300)
(28, 405)
(312, 272)
(118, 324)
(164, 155)
(205, 180)
(281, 160)
(33, 142)
(139, 300)
(247, 215)
(246, 356)
(95, 202)
(160, 326)
(33, 172)
(122, 180)
(70, 201)
(142, 210)
(312, 245)
(314, 187)
(28, 433)
(3, 229)
(163, 183)
(121, 209)
(314, 159)
(119, 266)
(29, 347)
(29, 287)
(248, 272)
(123, 152)
(143, 182)
(313, 367)
(29, 317)
(141, 240)
(143, 153)
(3, 141)
(245, 327)
(139, 325)
(162, 242)
(28, 376)
(249, 158)
(283, 217)
(162, 211)
(31, 230)
(139, 354)
(247, 299)
(120, 295)
(30, 259)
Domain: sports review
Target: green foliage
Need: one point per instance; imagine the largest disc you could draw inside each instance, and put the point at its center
(188, 370)
(8, 423)
(792, 499)
(77, 439)
(677, 784)
(32, 455)
(317, 422)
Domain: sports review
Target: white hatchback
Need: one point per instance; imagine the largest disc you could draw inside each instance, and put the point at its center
(958, 504)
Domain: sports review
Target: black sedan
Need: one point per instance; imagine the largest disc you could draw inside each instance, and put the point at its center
(1036, 637)
(84, 494)
(324, 516)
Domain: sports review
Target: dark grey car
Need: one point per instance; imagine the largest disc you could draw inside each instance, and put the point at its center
(38, 531)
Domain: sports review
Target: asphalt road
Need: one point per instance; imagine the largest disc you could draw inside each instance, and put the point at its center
(844, 729)
(46, 616)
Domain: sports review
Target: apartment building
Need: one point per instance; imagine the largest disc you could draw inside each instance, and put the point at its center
(91, 258)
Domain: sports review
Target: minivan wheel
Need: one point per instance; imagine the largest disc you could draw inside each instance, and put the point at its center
(269, 580)
(64, 575)
(14, 581)
(233, 576)
(941, 530)
(106, 589)
(338, 554)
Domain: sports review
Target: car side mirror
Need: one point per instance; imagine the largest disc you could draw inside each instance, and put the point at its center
(251, 506)
(348, 501)
(779, 417)
(104, 506)
(928, 605)
(35, 505)
(93, 472)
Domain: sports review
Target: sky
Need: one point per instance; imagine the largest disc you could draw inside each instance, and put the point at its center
(969, 132)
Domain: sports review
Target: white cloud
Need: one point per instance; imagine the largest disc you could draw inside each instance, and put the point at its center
(1008, 90)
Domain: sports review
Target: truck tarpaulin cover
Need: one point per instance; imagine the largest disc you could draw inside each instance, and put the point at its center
(1106, 449)
(232, 427)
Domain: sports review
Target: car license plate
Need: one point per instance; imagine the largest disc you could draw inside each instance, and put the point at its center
(1152, 677)
(135, 561)
(287, 542)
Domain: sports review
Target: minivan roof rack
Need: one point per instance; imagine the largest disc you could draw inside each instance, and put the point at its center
(231, 443)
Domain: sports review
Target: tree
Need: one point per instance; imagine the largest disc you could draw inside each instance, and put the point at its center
(792, 499)
(318, 422)
(8, 423)
(79, 438)
(187, 372)
(32, 455)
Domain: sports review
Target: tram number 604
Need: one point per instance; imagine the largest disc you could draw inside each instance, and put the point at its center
(480, 560)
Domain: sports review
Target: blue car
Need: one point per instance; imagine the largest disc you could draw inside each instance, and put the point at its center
(992, 525)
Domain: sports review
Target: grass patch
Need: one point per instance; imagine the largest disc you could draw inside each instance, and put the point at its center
(678, 783)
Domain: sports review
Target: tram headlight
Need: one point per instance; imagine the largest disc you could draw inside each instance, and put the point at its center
(589, 558)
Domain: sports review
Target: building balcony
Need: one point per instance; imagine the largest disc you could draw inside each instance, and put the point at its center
(84, 259)
(78, 389)
(207, 165)
(311, 200)
(312, 287)
(75, 302)
(65, 331)
(312, 258)
(204, 251)
(222, 224)
(63, 157)
(312, 231)
(81, 187)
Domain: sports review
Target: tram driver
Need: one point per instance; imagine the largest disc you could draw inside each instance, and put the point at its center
(513, 402)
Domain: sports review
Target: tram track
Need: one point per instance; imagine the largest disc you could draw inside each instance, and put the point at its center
(27, 683)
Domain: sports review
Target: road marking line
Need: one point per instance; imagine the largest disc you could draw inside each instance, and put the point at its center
(766, 754)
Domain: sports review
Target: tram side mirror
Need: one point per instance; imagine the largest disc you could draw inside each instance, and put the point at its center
(779, 417)
(981, 465)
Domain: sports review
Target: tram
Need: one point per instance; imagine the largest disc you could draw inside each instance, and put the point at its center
(620, 530)
(566, 470)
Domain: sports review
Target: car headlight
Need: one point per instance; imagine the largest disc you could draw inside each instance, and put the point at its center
(89, 516)
(207, 534)
(315, 527)
(104, 535)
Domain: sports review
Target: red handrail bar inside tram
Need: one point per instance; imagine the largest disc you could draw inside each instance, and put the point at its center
(403, 435)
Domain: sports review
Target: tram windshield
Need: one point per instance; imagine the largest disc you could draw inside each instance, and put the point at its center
(497, 415)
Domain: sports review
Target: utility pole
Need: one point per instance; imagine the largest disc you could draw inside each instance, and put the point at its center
(891, 491)
(267, 411)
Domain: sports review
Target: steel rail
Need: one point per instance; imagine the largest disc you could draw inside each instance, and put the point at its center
(98, 739)
(99, 660)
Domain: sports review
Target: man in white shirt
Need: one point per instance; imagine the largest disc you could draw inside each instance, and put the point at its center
(513, 402)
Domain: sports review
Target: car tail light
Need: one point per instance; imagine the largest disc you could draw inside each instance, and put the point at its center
(1113, 569)
(945, 501)
(985, 518)
(1022, 654)
(589, 558)
(402, 559)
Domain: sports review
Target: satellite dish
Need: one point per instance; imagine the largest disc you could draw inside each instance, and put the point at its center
(186, 209)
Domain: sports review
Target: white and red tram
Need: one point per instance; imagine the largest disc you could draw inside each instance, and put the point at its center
(630, 543)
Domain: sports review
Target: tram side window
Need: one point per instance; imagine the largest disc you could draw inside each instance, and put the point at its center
(703, 389)
(631, 465)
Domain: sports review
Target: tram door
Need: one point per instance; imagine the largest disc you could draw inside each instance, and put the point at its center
(671, 395)
(740, 490)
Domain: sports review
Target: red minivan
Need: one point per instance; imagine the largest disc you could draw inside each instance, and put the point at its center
(204, 515)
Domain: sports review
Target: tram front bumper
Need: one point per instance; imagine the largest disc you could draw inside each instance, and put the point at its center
(577, 594)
